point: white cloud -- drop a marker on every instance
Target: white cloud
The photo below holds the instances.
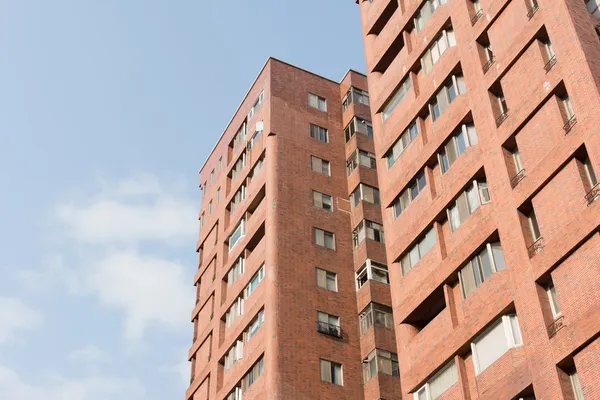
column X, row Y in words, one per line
column 134, row 210
column 13, row 387
column 15, row 317
column 149, row 290
column 89, row 353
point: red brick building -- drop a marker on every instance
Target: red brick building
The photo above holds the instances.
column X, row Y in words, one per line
column 293, row 298
column 485, row 115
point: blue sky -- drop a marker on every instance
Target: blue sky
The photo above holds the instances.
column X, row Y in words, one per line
column 107, row 110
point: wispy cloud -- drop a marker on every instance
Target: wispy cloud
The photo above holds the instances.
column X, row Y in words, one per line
column 131, row 211
column 13, row 387
column 16, row 317
column 89, row 353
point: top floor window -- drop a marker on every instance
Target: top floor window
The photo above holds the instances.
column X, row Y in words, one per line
column 425, row 12
column 395, row 98
column 317, row 102
column 355, row 95
column 256, row 104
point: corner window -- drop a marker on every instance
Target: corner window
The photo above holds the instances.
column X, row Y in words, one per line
column 380, row 362
column 503, row 335
column 485, row 263
column 467, row 202
column 367, row 230
column 371, row 270
column 439, row 383
column 317, row 102
column 376, row 314
column 358, row 125
column 360, row 157
column 364, row 193
column 354, row 95
column 418, row 251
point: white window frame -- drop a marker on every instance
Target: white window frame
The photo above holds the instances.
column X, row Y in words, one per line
column 427, row 386
column 367, row 268
column 489, row 247
column 327, row 276
column 553, row 298
column 259, row 276
column 505, row 320
column 242, row 226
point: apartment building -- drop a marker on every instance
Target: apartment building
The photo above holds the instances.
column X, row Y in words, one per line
column 293, row 298
column 486, row 134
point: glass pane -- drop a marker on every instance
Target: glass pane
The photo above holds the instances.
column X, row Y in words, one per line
column 473, row 199
column 516, row 332
column 498, row 257
column 461, row 145
column 325, row 371
column 467, row 279
column 443, row 380
column 337, row 374
column 486, row 265
column 414, row 255
column 490, row 346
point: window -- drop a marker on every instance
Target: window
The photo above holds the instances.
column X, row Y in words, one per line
column 516, row 155
column 328, row 324
column 258, row 276
column 400, row 145
column 236, row 309
column 324, row 239
column 239, row 136
column 210, row 207
column 577, row 391
column 255, row 324
column 202, row 220
column 376, row 314
column 409, row 194
column 589, row 171
column 593, row 7
column 235, row 353
column 503, row 335
column 371, row 270
column 364, row 193
column 355, row 95
column 326, row 280
column 235, row 271
column 239, row 165
column 358, row 125
column 256, row 169
column 437, row 48
column 554, row 306
column 367, row 230
column 218, row 194
column 235, row 394
column 255, row 106
column 380, row 362
column 464, row 138
column 319, row 165
column 322, row 200
column 256, row 135
column 453, row 87
column 220, row 163
column 360, row 157
column 418, row 251
column 254, row 373
column 331, row 372
column 467, row 202
column 395, row 98
column 533, row 225
column 425, row 12
column 317, row 102
column 319, row 133
column 439, row 383
column 212, row 176
column 237, row 198
column 237, row 234
column 488, row 261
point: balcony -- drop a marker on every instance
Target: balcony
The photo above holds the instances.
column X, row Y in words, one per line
column 532, row 10
column 536, row 247
column 517, row 178
column 551, row 63
column 501, row 118
column 329, row 329
column 570, row 124
column 593, row 194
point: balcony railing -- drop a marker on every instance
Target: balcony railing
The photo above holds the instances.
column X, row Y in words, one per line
column 476, row 17
column 329, row 329
column 570, row 124
column 551, row 63
column 593, row 194
column 536, row 247
column 488, row 65
column 556, row 326
column 517, row 178
column 531, row 11
column 501, row 118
